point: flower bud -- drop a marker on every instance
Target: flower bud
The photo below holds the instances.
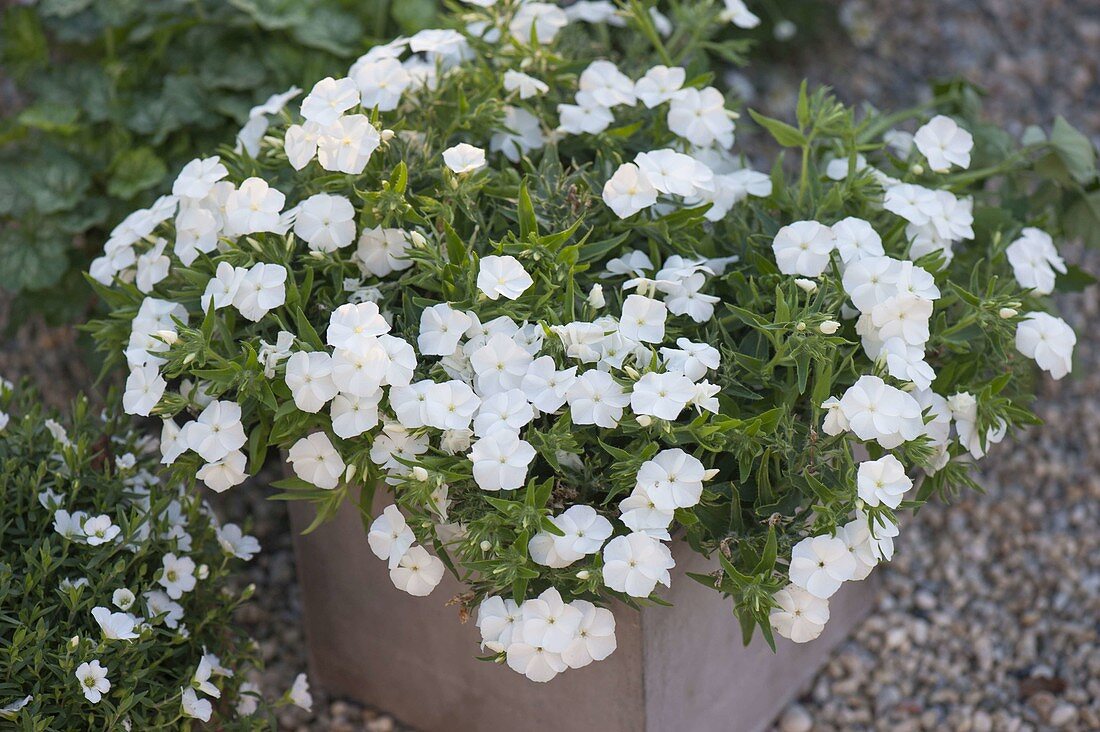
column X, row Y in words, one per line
column 486, row 546
column 418, row 239
column 168, row 336
column 645, row 420
column 349, row 474
column 202, row 572
column 801, row 327
column 805, row 285
column 583, row 574
column 595, row 296
column 829, row 327
column 74, row 641
column 419, row 474
column 386, row 135
column 917, row 169
column 1007, row 313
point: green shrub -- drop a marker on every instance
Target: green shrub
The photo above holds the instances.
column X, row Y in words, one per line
column 117, row 94
column 88, row 529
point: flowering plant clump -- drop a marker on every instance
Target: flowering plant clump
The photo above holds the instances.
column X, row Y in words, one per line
column 523, row 285
column 115, row 610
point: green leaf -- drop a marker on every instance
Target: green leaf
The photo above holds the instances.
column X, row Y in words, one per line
column 1074, row 150
column 32, row 259
column 783, row 133
column 50, row 117
column 528, row 224
column 135, row 171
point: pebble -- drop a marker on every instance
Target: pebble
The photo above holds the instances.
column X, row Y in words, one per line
column 796, row 719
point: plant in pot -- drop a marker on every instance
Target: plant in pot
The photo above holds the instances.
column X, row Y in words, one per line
column 516, row 288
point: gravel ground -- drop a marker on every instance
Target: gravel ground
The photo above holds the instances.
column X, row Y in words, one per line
column 990, row 616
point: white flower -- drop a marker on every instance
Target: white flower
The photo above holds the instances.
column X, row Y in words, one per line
column 325, row 222
column 197, row 231
column 739, row 14
column 803, row 248
column 548, row 623
column 505, row 276
column 603, row 85
column 221, row 475
column 198, row 177
column 115, row 626
column 595, row 637
column 685, row 298
column 944, row 143
column 507, row 410
column 417, row 572
column 309, row 377
column 353, row 415
column 628, row 191
column 799, row 616
column 700, row 117
column 855, row 239
column 396, row 442
column 464, row 158
column 543, row 19
column 527, row 86
column 500, row 461
column 93, row 681
column 177, row 575
column 672, row 479
column 441, row 328
column 300, row 143
column 299, row 693
column 235, row 542
column 584, row 530
column 71, row 526
column 123, row 599
column 390, row 536
column 497, row 619
column 545, row 386
column 1035, row 260
column 222, row 288
column 152, row 267
column 253, row 207
column 195, row 708
column 347, row 145
column 659, row 85
column 1048, row 340
column 877, row 411
column 316, row 461
column 913, row 203
column 201, row 679
column 674, row 173
column 520, row 133
column 903, row 316
column 450, row 405
column 635, row 563
column 643, row 319
column 634, row 263
column 882, row 481
column 534, row 662
column 820, row 564
column 159, row 604
column 329, row 99
column 359, row 369
column 248, row 701
column 262, row 289
column 499, row 365
column 578, row 120
column 217, row 432
column 662, row 395
column 100, row 530
column 353, row 324
column 381, row 83
column 596, row 398
column 144, row 388
column 382, row 251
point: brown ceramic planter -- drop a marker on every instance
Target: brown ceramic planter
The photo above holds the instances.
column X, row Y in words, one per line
column 680, row 668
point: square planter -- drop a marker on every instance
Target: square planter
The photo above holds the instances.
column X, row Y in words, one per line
column 678, row 668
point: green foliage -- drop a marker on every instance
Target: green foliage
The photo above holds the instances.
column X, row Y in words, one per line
column 49, row 583
column 779, row 478
column 118, row 94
